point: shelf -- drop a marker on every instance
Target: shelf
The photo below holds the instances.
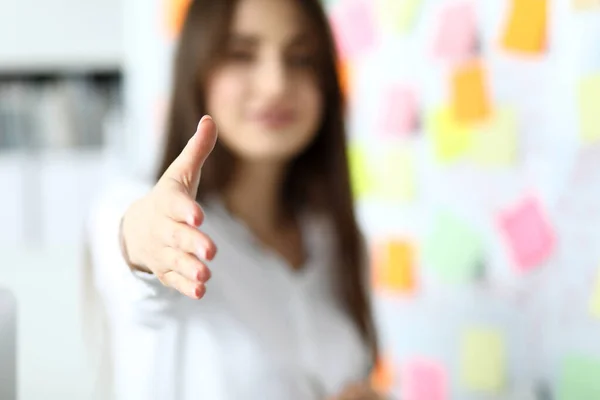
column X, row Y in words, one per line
column 66, row 35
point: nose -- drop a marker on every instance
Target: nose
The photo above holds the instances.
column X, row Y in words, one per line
column 272, row 77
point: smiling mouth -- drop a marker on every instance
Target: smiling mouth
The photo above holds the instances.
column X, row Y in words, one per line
column 275, row 119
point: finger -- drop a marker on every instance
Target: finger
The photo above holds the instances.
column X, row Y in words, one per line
column 187, row 166
column 185, row 265
column 180, row 207
column 189, row 240
column 186, row 287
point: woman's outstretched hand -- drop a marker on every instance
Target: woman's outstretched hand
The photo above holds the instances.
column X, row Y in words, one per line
column 159, row 232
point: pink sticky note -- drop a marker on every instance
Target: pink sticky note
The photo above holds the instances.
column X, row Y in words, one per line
column 457, row 34
column 399, row 111
column 423, row 380
column 528, row 233
column 353, row 23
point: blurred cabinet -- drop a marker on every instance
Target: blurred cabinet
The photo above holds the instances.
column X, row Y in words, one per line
column 46, row 198
column 60, row 34
column 12, row 202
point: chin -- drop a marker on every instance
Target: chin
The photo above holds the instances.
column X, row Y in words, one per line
column 283, row 145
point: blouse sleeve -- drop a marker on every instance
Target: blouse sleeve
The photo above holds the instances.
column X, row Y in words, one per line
column 118, row 286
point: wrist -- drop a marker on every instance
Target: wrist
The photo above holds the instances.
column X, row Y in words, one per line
column 125, row 250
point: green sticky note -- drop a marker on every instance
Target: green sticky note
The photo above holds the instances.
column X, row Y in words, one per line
column 589, row 108
column 483, row 360
column 579, row 379
column 361, row 173
column 453, row 249
column 451, row 138
column 595, row 299
column 396, row 175
column 495, row 143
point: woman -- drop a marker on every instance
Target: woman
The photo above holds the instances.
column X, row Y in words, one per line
column 283, row 312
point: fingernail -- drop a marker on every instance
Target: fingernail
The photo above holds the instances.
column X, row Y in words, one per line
column 206, row 117
column 191, row 220
column 201, row 253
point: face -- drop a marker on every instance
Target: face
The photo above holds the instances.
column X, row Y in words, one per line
column 264, row 96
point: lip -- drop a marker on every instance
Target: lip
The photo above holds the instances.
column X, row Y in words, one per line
column 275, row 118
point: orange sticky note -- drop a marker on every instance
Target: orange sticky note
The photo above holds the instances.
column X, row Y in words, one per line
column 345, row 77
column 382, row 377
column 395, row 267
column 470, row 100
column 526, row 29
column 176, row 13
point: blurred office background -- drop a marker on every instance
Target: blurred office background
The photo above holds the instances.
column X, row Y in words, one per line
column 475, row 153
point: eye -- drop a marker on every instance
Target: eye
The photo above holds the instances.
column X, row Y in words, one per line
column 300, row 60
column 240, row 55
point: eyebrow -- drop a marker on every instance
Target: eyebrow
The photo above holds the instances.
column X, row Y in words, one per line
column 253, row 40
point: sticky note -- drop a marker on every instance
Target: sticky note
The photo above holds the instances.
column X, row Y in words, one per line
column 528, row 233
column 483, row 360
column 353, row 24
column 526, row 28
column 395, row 266
column 469, row 94
column 396, row 176
column 423, row 379
column 453, row 249
column 382, row 377
column 345, row 77
column 495, row 142
column 579, row 378
column 362, row 178
column 451, row 138
column 176, row 14
column 595, row 299
column 399, row 16
column 585, row 4
column 589, row 108
column 399, row 111
column 456, row 38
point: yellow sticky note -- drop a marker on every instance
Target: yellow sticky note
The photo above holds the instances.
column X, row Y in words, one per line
column 396, row 175
column 176, row 14
column 595, row 300
column 361, row 174
column 451, row 139
column 395, row 267
column 589, row 108
column 495, row 142
column 585, row 4
column 398, row 15
column 483, row 360
column 526, row 30
column 470, row 98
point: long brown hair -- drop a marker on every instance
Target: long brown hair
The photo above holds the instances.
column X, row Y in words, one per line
column 318, row 178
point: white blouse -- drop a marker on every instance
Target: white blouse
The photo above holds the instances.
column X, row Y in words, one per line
column 262, row 331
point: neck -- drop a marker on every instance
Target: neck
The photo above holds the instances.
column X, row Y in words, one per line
column 254, row 194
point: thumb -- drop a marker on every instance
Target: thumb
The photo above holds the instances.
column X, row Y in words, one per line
column 186, row 169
